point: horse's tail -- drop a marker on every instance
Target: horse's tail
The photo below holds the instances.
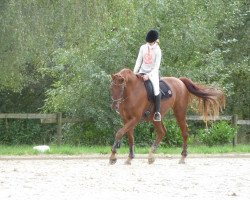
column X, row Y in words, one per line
column 210, row 100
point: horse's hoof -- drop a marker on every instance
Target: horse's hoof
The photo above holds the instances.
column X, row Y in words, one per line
column 182, row 161
column 151, row 160
column 128, row 161
column 112, row 161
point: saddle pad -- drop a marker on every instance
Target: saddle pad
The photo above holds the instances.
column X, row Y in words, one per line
column 164, row 89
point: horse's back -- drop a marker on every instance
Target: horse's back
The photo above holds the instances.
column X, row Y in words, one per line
column 174, row 83
column 177, row 87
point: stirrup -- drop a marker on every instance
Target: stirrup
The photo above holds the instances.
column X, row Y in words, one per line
column 157, row 116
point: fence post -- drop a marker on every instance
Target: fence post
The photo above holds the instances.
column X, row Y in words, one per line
column 6, row 126
column 234, row 123
column 59, row 129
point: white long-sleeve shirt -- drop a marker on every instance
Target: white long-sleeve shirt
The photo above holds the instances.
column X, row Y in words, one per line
column 149, row 66
column 150, row 69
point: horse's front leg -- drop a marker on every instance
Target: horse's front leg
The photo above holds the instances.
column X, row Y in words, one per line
column 129, row 125
column 131, row 142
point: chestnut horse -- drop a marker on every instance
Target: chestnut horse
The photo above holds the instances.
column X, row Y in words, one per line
column 130, row 100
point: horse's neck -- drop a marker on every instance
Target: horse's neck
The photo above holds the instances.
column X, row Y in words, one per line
column 134, row 86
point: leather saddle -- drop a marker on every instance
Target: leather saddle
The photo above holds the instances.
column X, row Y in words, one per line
column 164, row 90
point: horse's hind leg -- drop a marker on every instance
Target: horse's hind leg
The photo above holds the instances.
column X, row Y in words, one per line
column 180, row 115
column 161, row 131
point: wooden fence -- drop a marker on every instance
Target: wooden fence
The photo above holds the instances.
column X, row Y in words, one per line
column 57, row 118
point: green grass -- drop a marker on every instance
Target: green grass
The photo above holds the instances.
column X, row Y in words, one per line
column 77, row 150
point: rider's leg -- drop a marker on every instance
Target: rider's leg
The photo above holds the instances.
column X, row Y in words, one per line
column 157, row 115
column 156, row 85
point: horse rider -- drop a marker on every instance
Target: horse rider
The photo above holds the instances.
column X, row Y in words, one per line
column 148, row 64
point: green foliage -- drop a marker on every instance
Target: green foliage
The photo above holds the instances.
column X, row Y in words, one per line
column 25, row 132
column 144, row 134
column 239, row 78
column 80, row 89
column 87, row 134
column 173, row 136
column 59, row 55
column 220, row 133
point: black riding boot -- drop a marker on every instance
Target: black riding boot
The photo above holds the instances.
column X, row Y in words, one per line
column 157, row 115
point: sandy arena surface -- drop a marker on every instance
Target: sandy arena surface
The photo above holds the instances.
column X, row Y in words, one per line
column 91, row 177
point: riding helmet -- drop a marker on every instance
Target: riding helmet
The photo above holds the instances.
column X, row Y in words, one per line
column 152, row 36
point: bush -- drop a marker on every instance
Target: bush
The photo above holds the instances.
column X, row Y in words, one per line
column 86, row 134
column 16, row 132
column 219, row 133
column 173, row 136
column 144, row 134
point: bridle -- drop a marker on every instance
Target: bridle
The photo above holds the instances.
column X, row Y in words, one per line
column 121, row 97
